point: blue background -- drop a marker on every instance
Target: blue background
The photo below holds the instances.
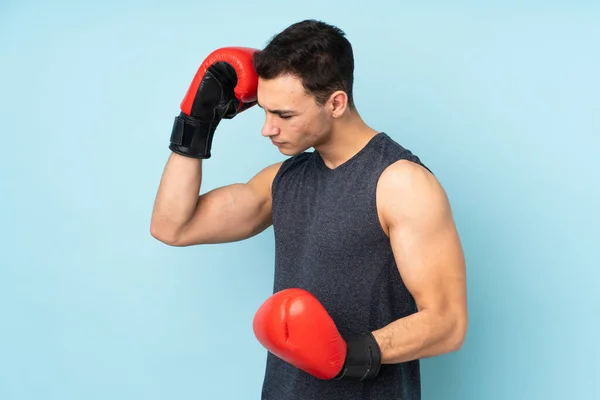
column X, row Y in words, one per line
column 501, row 100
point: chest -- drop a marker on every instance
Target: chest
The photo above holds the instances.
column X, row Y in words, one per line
column 332, row 218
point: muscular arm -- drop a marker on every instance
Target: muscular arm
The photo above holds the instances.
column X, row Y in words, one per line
column 416, row 215
column 234, row 212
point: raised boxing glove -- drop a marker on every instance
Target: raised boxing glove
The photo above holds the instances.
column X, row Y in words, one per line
column 224, row 86
column 293, row 325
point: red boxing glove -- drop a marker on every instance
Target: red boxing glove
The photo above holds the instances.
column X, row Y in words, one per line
column 224, row 85
column 293, row 325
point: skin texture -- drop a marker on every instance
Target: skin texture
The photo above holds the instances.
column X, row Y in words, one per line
column 295, row 122
column 415, row 213
column 413, row 210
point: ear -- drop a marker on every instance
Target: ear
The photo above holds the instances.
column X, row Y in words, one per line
column 338, row 103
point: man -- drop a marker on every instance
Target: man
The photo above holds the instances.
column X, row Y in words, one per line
column 369, row 271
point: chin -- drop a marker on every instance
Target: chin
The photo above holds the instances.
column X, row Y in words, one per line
column 292, row 151
column 289, row 152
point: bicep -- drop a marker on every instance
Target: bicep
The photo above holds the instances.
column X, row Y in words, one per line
column 430, row 261
column 233, row 212
column 424, row 240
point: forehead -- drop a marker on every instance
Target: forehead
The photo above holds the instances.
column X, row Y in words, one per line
column 284, row 90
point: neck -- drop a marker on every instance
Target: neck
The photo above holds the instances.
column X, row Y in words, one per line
column 348, row 136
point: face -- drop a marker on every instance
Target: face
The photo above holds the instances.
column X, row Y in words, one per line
column 294, row 121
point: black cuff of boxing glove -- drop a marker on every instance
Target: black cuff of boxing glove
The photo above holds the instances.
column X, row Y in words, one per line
column 363, row 358
column 192, row 137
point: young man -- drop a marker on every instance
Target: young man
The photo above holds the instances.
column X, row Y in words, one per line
column 369, row 269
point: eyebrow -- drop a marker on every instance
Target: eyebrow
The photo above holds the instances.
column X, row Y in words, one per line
column 276, row 111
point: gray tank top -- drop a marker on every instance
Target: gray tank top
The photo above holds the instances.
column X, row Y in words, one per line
column 329, row 241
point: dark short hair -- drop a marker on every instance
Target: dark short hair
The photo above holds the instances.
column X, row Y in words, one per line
column 317, row 53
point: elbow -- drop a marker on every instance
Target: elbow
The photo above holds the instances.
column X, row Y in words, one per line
column 166, row 235
column 458, row 334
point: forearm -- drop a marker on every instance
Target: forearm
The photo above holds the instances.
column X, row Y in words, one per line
column 178, row 193
column 424, row 334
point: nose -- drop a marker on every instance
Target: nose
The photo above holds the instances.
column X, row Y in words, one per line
column 269, row 129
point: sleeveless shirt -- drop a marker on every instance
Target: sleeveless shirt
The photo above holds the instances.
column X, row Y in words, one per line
column 329, row 241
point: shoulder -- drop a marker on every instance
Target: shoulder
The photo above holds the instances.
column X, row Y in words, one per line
column 263, row 180
column 406, row 174
column 391, row 150
column 406, row 191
